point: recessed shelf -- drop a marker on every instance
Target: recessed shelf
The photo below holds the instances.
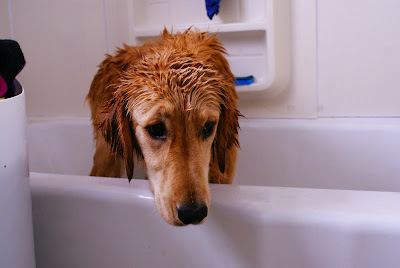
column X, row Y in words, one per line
column 147, row 31
column 255, row 33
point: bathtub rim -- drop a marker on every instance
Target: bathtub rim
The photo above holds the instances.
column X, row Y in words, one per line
column 345, row 208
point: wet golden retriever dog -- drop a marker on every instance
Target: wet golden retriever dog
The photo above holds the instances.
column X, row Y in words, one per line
column 172, row 104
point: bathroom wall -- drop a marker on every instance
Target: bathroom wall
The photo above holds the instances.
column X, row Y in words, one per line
column 358, row 58
column 5, row 29
column 344, row 55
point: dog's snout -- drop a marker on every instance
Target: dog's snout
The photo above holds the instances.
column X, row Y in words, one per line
column 193, row 213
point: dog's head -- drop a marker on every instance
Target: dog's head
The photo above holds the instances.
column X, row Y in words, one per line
column 176, row 109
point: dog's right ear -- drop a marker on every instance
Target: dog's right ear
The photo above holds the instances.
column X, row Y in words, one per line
column 115, row 125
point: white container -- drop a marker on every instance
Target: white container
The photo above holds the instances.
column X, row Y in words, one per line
column 16, row 232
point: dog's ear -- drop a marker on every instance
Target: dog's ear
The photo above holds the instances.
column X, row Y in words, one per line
column 227, row 130
column 114, row 123
column 227, row 133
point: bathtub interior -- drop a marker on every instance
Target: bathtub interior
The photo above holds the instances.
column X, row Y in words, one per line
column 63, row 146
column 352, row 154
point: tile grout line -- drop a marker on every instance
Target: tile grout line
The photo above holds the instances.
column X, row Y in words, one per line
column 106, row 26
column 317, row 59
column 10, row 19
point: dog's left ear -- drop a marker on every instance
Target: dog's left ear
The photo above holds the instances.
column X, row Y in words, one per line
column 114, row 123
column 227, row 131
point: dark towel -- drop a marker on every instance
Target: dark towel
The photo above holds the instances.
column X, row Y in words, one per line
column 11, row 63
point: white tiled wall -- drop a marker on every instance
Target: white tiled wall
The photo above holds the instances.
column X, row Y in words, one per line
column 5, row 29
column 359, row 58
column 118, row 21
column 350, row 47
column 62, row 42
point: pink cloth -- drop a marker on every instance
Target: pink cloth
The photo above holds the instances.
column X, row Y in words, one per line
column 3, row 87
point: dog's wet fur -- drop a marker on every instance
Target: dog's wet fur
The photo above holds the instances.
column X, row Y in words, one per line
column 170, row 103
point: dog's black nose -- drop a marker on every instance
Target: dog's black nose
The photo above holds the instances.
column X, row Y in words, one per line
column 193, row 213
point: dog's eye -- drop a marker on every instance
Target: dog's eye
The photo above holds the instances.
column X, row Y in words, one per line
column 157, row 131
column 208, row 129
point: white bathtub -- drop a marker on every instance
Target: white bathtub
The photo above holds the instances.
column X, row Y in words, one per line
column 82, row 221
